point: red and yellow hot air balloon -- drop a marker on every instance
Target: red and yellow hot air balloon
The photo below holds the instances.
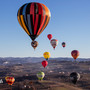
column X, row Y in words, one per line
column 75, row 54
column 10, row 80
column 54, row 43
column 44, row 63
column 49, row 36
column 33, row 18
column 63, row 44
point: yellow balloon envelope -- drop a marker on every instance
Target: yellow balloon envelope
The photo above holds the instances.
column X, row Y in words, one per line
column 46, row 55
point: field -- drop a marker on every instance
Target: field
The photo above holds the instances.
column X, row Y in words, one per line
column 56, row 76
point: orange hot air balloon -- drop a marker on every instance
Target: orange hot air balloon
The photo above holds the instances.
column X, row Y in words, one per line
column 10, row 80
column 63, row 44
column 34, row 44
column 44, row 63
column 49, row 36
column 33, row 18
column 75, row 54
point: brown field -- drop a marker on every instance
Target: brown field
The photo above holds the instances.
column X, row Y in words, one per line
column 56, row 76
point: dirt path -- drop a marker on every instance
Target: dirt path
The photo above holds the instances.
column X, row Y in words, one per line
column 58, row 86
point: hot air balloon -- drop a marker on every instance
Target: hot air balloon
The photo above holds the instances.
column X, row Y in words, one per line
column 63, row 44
column 49, row 36
column 33, row 18
column 54, row 43
column 75, row 54
column 44, row 63
column 34, row 44
column 46, row 55
column 10, row 80
column 40, row 75
column 74, row 77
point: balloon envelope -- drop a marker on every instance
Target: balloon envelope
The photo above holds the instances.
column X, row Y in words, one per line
column 40, row 75
column 46, row 55
column 44, row 63
column 34, row 44
column 54, row 43
column 74, row 77
column 49, row 36
column 33, row 18
column 63, row 44
column 10, row 80
column 75, row 54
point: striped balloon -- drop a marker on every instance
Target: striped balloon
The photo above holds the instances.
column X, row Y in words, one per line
column 10, row 80
column 54, row 43
column 33, row 18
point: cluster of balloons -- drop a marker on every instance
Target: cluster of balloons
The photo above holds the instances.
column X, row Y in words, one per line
column 33, row 18
column 40, row 75
column 74, row 76
column 46, row 56
column 54, row 42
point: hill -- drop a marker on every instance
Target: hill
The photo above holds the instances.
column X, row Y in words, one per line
column 56, row 75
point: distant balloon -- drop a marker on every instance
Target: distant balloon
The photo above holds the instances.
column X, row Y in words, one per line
column 74, row 77
column 44, row 63
column 33, row 18
column 34, row 44
column 75, row 54
column 10, row 80
column 40, row 75
column 63, row 44
column 54, row 43
column 49, row 36
column 46, row 55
